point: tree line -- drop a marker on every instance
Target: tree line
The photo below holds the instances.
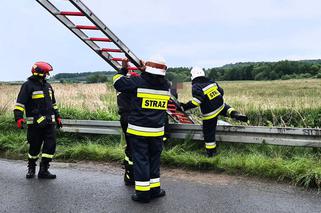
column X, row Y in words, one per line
column 267, row 70
column 240, row 71
column 87, row 77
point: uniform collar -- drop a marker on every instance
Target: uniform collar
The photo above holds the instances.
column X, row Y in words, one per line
column 37, row 79
column 201, row 79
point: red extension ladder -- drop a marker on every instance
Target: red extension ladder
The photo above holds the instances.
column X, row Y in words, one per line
column 118, row 47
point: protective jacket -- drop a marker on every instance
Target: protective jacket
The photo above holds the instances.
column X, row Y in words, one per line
column 123, row 99
column 208, row 95
column 150, row 95
column 37, row 99
column 123, row 102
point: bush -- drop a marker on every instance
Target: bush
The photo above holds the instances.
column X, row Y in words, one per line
column 261, row 76
column 304, row 75
column 285, row 77
column 97, row 78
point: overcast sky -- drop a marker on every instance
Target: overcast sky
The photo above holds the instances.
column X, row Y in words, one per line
column 206, row 33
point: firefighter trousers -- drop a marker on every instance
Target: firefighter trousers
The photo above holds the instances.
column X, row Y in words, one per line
column 128, row 161
column 146, row 156
column 209, row 129
column 41, row 136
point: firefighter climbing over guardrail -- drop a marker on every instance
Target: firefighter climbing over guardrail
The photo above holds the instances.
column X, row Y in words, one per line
column 208, row 95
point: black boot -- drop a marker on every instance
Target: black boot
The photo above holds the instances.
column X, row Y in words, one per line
column 31, row 168
column 159, row 193
column 129, row 174
column 128, row 178
column 238, row 116
column 211, row 152
column 140, row 199
column 43, row 171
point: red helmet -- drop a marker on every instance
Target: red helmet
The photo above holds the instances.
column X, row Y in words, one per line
column 134, row 74
column 41, row 69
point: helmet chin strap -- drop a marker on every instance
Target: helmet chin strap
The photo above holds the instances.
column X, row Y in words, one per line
column 41, row 76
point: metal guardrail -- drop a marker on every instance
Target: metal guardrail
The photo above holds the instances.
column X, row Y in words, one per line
column 306, row 137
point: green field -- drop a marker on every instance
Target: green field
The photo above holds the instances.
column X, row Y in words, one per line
column 273, row 103
column 295, row 103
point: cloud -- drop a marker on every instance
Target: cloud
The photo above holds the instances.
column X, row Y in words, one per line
column 188, row 13
column 207, row 33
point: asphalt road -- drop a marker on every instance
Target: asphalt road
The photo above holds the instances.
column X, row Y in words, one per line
column 87, row 187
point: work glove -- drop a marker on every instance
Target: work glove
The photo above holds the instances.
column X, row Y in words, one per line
column 124, row 63
column 183, row 106
column 124, row 67
column 59, row 122
column 238, row 116
column 20, row 123
column 142, row 67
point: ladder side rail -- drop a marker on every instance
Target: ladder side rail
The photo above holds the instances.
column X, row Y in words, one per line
column 80, row 34
column 95, row 20
column 101, row 26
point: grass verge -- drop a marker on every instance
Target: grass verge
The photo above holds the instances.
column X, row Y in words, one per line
column 300, row 166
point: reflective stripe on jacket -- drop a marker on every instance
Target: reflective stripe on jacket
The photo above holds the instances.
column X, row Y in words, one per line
column 149, row 98
column 37, row 100
column 208, row 95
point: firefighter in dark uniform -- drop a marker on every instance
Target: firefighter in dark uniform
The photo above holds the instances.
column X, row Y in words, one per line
column 150, row 95
column 209, row 96
column 37, row 99
column 124, row 103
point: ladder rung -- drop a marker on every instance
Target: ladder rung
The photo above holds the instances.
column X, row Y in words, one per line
column 186, row 121
column 183, row 118
column 100, row 39
column 70, row 13
column 132, row 68
column 86, row 27
column 117, row 59
column 111, row 50
column 178, row 114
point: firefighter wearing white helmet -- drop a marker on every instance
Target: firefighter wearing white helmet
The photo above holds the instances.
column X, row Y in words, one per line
column 197, row 72
column 208, row 95
column 156, row 66
column 150, row 95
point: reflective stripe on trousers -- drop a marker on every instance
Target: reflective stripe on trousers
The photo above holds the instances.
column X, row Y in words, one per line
column 142, row 186
column 213, row 114
column 210, row 145
column 154, row 182
column 145, row 131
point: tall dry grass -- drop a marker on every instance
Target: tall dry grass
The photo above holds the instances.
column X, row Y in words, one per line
column 267, row 95
column 8, row 97
column 246, row 96
column 86, row 96
column 92, row 97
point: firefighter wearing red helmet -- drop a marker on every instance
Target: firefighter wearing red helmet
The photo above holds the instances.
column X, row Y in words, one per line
column 37, row 101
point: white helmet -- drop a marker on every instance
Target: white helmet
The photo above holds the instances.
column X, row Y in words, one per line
column 156, row 65
column 197, row 72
